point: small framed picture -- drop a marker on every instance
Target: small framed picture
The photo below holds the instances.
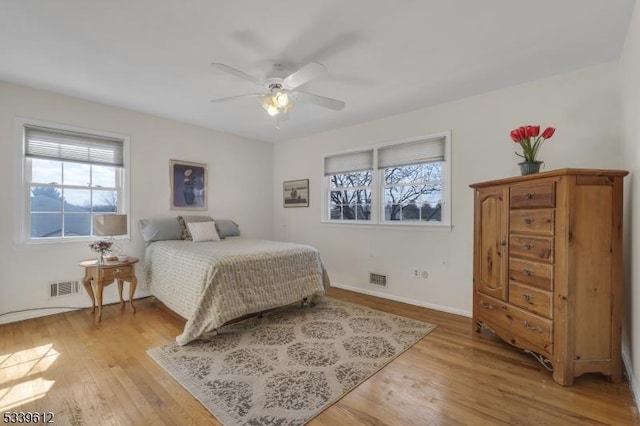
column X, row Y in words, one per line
column 296, row 193
column 188, row 185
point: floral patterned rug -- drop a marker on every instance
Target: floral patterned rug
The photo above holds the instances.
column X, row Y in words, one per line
column 289, row 365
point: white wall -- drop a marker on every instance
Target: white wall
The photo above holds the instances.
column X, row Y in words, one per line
column 239, row 184
column 630, row 136
column 582, row 105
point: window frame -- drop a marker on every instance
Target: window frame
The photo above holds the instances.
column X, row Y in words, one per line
column 22, row 189
column 370, row 188
column 378, row 185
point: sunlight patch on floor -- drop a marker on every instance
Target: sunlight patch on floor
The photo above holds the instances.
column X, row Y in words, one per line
column 21, row 378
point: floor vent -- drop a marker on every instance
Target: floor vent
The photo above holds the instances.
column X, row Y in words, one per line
column 63, row 288
column 377, row 279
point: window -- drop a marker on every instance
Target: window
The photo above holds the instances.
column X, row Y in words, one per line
column 350, row 178
column 69, row 176
column 407, row 186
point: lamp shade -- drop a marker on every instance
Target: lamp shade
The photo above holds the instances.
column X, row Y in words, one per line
column 109, row 224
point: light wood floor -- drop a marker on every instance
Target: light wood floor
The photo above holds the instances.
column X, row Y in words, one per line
column 88, row 374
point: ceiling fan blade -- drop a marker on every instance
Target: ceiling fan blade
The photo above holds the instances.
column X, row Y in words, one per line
column 236, row 72
column 322, row 101
column 230, row 98
column 307, row 73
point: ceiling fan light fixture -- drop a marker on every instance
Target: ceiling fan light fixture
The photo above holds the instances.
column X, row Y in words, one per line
column 269, row 105
column 282, row 99
column 276, row 103
column 282, row 91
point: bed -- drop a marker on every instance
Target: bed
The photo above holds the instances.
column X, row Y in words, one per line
column 213, row 282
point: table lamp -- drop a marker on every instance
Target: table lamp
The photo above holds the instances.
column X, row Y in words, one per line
column 107, row 225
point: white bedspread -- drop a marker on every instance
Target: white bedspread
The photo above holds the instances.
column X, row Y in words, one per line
column 210, row 283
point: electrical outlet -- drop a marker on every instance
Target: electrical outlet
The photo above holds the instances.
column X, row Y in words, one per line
column 425, row 274
column 416, row 273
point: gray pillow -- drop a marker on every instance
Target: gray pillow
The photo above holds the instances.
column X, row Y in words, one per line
column 227, row 228
column 160, row 229
column 184, row 220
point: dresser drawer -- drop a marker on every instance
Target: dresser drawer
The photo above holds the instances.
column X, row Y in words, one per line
column 532, row 195
column 117, row 272
column 515, row 325
column 538, row 248
column 531, row 299
column 535, row 274
column 532, row 221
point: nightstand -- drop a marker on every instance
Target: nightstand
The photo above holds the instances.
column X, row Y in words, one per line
column 101, row 275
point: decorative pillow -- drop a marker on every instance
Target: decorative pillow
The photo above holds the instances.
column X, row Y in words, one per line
column 227, row 228
column 159, row 229
column 203, row 231
column 183, row 221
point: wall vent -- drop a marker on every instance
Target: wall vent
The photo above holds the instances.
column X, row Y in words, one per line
column 64, row 288
column 377, row 279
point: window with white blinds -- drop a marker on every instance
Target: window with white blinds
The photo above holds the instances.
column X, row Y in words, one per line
column 69, row 175
column 73, row 146
column 348, row 162
column 401, row 183
column 404, row 154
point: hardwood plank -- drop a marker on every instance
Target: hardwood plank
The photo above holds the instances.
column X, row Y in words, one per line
column 101, row 374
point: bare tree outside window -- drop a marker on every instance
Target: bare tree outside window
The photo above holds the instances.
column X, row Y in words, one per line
column 413, row 192
column 350, row 196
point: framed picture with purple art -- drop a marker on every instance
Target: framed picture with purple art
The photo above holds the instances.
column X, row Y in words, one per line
column 188, row 185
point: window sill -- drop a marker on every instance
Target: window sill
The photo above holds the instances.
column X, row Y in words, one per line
column 394, row 226
column 66, row 243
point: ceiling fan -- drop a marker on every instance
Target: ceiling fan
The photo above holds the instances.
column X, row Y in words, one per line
column 281, row 91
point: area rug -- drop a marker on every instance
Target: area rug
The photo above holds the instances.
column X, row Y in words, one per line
column 289, row 365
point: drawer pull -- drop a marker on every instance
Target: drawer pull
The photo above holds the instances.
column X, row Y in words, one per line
column 526, row 271
column 116, row 271
column 487, row 305
column 527, row 297
column 527, row 245
column 529, row 220
column 526, row 324
column 529, row 195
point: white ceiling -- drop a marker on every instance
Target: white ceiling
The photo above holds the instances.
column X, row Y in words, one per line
column 383, row 57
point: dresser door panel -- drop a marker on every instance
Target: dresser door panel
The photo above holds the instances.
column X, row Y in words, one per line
column 492, row 244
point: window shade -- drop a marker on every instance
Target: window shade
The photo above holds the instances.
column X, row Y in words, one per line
column 63, row 145
column 350, row 162
column 404, row 154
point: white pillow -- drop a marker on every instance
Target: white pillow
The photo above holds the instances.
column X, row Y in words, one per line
column 203, row 231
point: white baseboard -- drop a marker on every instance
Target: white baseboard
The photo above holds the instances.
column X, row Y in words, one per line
column 43, row 312
column 404, row 300
column 628, row 366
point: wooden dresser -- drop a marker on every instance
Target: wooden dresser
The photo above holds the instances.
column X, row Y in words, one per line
column 547, row 269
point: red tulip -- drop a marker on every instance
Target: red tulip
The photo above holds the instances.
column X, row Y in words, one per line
column 516, row 135
column 548, row 132
column 528, row 131
column 536, row 131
